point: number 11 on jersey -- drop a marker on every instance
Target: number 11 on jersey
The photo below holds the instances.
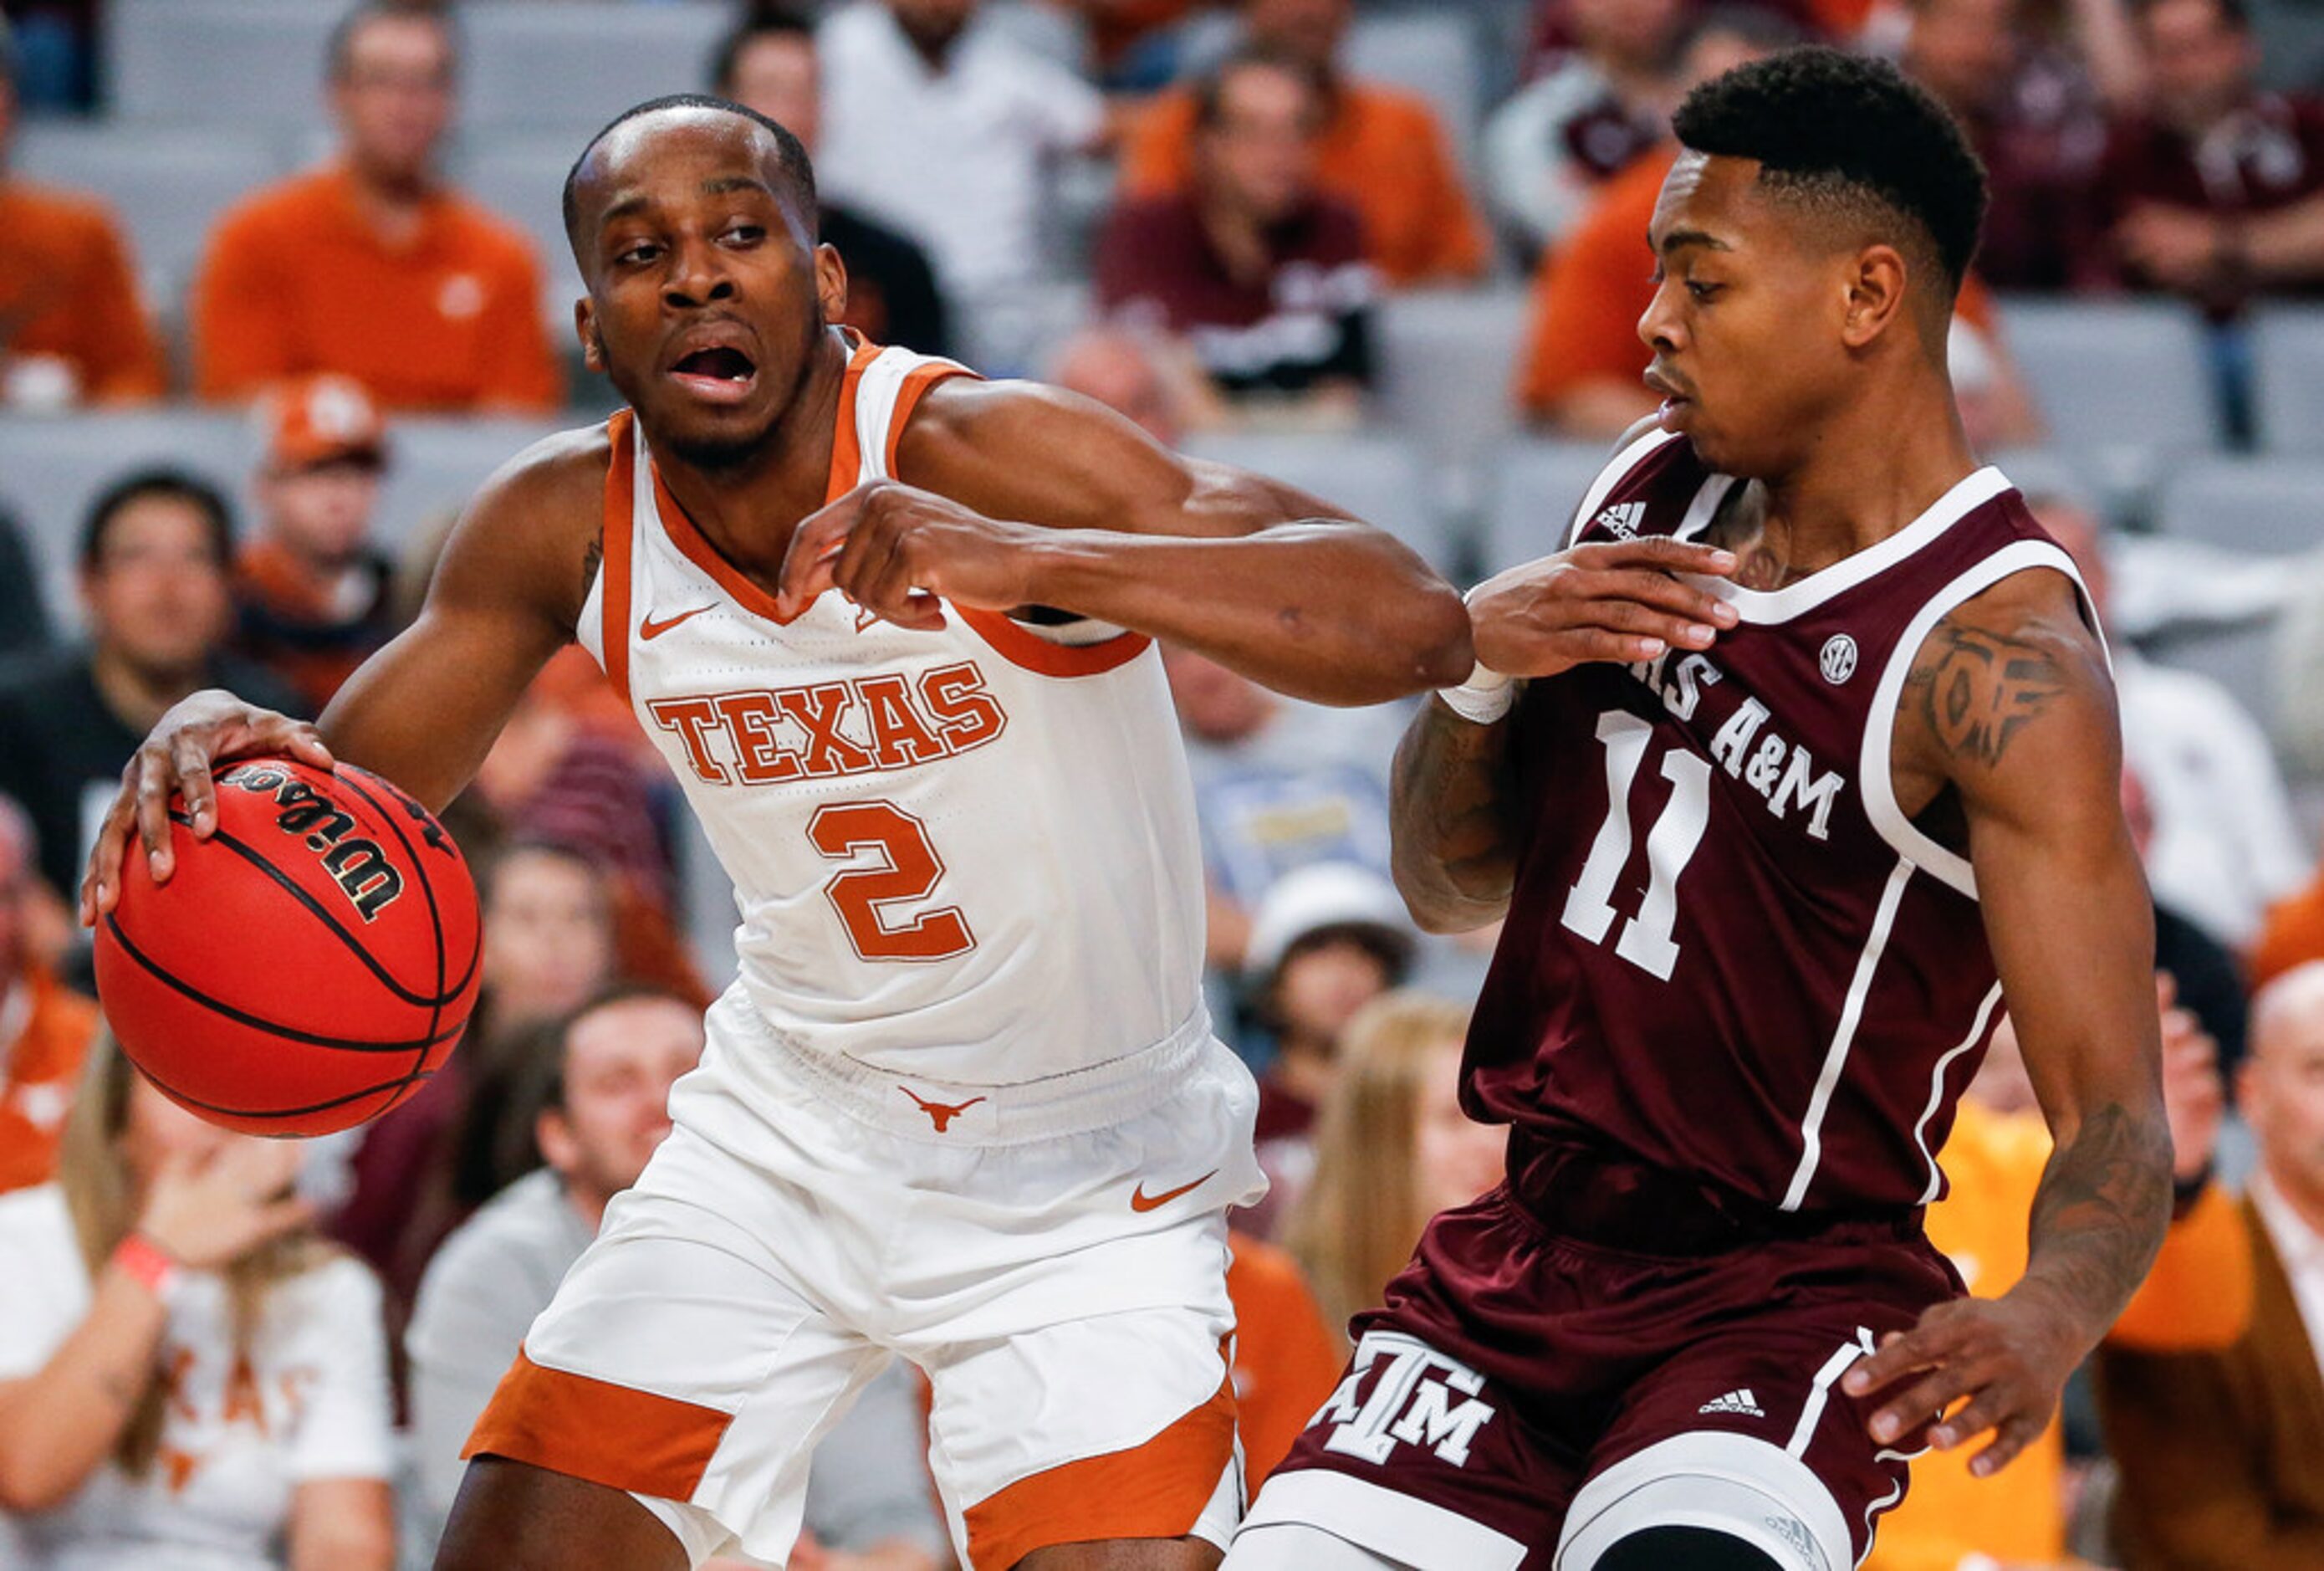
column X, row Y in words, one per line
column 1645, row 940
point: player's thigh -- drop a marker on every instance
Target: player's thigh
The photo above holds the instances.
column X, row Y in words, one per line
column 1299, row 1547
column 681, row 1363
column 1097, row 1437
column 511, row 1516
column 1125, row 1555
column 1746, row 1436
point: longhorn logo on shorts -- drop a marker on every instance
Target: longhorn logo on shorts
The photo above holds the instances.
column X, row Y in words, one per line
column 939, row 1115
column 1412, row 1402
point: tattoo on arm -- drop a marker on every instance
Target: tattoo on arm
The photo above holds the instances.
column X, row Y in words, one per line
column 1975, row 688
column 2100, row 1215
column 1454, row 852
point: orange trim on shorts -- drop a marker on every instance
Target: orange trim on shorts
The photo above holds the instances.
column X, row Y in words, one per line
column 613, row 551
column 1154, row 1490
column 597, row 1432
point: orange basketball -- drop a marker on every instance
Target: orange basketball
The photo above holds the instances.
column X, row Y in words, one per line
column 305, row 967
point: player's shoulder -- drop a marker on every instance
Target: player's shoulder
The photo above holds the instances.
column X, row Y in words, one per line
column 563, row 472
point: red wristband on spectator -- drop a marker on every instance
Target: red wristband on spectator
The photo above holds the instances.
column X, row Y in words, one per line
column 149, row 1263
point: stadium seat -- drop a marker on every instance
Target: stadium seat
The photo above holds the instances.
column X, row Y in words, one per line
column 2287, row 345
column 2126, row 383
column 51, row 467
column 1376, row 476
column 572, row 65
column 2267, row 508
column 1432, row 53
column 256, row 64
column 1535, row 486
column 1444, row 359
column 523, row 179
column 436, row 464
column 166, row 187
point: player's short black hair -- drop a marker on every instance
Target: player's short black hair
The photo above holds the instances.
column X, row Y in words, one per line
column 340, row 45
column 1210, row 88
column 775, row 21
column 1849, row 132
column 790, row 152
column 176, row 486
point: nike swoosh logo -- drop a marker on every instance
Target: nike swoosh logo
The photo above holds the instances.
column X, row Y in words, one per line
column 1141, row 1201
column 650, row 630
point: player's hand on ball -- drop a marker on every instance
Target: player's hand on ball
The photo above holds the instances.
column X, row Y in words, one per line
column 209, row 1211
column 893, row 550
column 2010, row 1356
column 1614, row 600
column 197, row 732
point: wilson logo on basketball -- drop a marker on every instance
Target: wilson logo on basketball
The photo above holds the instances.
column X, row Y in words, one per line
column 356, row 864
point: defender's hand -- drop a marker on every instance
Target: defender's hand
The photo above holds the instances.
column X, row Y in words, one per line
column 2010, row 1356
column 200, row 731
column 893, row 550
column 1614, row 600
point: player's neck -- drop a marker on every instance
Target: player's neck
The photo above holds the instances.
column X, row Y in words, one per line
column 749, row 511
column 1875, row 468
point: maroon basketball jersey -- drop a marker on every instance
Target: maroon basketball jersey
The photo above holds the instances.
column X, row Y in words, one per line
column 1728, row 953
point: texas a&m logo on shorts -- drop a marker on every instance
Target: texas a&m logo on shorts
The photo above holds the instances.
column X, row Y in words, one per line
column 1417, row 1397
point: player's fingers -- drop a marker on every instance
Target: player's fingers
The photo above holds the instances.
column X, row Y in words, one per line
column 1626, row 617
column 1667, row 594
column 2011, row 1438
column 1900, row 1353
column 1990, row 1407
column 1582, row 645
column 811, row 549
column 301, row 740
column 1664, row 554
column 100, row 886
column 190, row 760
column 153, row 786
column 1921, row 1400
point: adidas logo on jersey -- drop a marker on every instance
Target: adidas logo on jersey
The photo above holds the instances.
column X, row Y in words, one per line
column 1623, row 519
column 1736, row 1401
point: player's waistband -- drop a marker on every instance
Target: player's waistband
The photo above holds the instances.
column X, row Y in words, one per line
column 1592, row 1195
column 926, row 1108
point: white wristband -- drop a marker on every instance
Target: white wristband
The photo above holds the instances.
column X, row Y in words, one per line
column 1483, row 698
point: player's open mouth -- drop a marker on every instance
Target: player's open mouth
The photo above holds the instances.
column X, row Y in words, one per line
column 720, row 375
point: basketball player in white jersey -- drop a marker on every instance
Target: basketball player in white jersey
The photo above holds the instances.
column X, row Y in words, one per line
column 963, row 1106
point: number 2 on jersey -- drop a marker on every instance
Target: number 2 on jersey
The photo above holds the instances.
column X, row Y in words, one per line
column 1646, row 941
column 910, row 870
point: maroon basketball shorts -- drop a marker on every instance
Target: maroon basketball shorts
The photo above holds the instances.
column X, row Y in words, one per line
column 1528, row 1399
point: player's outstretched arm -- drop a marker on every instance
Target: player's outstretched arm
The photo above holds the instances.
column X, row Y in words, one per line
column 1025, row 495
column 421, row 711
column 2010, row 702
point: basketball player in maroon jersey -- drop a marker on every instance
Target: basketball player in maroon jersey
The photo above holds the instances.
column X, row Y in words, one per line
column 709, row 307
column 1772, row 828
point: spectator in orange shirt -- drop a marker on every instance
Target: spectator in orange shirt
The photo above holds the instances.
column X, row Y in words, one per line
column 2198, row 1297
column 1383, row 152
column 44, row 1030
column 313, row 598
column 71, row 327
column 1583, row 359
column 1286, row 1357
column 370, row 267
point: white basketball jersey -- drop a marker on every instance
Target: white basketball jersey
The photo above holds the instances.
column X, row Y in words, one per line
column 970, row 854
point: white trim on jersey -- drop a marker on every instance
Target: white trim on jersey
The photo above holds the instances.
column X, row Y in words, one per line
column 1843, row 1036
column 1767, row 607
column 1937, row 1090
column 1949, row 867
column 1729, row 1483
column 1411, row 1532
column 1819, row 1390
column 1617, row 469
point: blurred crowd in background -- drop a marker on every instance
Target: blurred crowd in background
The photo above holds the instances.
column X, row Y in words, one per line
column 251, row 356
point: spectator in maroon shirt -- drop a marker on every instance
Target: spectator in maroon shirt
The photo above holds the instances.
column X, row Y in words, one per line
column 1263, row 275
column 2218, row 192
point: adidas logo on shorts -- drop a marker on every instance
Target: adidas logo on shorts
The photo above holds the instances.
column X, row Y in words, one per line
column 1736, row 1401
column 1623, row 519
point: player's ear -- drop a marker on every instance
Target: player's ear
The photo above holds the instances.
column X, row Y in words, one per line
column 1876, row 295
column 831, row 282
column 584, row 323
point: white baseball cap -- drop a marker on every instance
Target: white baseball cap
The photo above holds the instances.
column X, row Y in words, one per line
column 1326, row 895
